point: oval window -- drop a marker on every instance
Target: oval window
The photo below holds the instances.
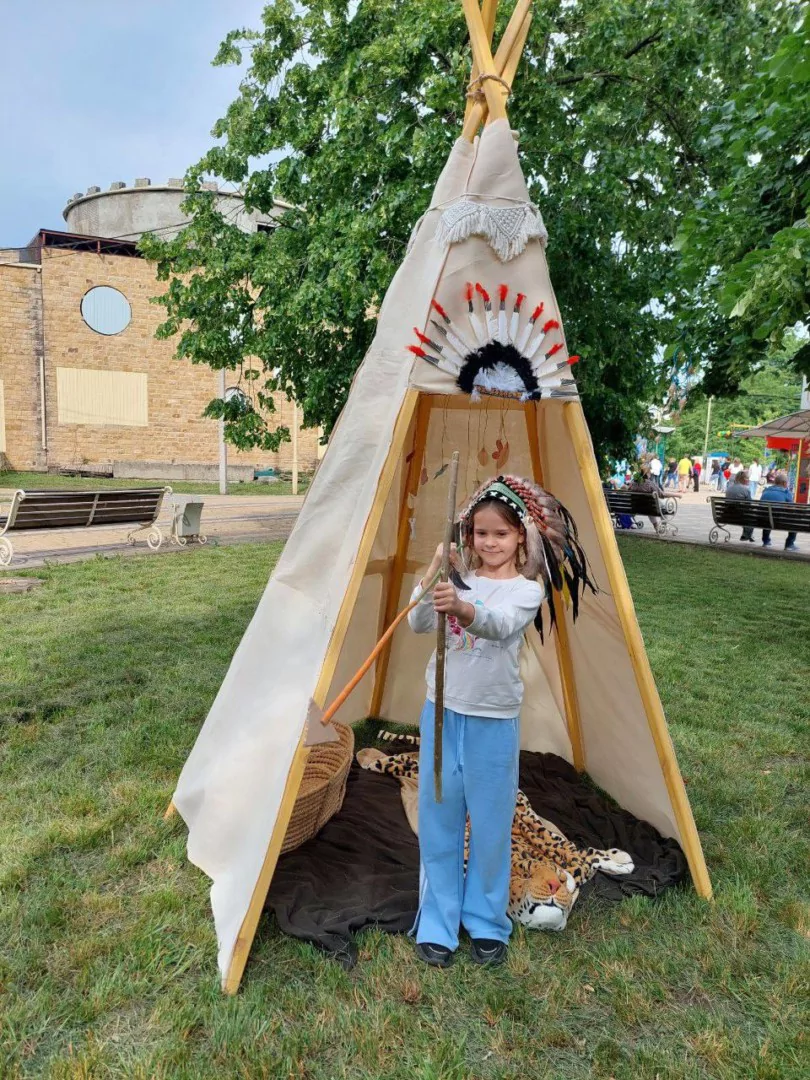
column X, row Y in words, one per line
column 106, row 310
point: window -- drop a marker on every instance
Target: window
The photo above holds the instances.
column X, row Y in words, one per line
column 106, row 310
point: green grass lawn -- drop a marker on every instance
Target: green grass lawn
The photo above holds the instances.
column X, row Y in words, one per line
column 10, row 481
column 107, row 953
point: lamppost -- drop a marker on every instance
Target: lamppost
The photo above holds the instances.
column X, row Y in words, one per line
column 227, row 394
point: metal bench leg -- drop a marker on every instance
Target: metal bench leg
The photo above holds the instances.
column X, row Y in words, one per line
column 6, row 551
column 714, row 534
column 154, row 537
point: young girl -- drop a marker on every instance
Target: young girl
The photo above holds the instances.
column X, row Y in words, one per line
column 512, row 532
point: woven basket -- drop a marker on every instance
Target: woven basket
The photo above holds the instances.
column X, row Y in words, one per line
column 322, row 788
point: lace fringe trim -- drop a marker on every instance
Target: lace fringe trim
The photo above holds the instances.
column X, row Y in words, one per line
column 507, row 229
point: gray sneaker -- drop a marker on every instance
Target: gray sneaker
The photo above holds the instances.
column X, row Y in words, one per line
column 435, row 955
column 487, row 951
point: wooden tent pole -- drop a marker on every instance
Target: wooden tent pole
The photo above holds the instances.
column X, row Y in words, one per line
column 247, row 931
column 563, row 649
column 401, row 554
column 482, row 55
column 488, row 10
column 620, row 591
column 506, row 61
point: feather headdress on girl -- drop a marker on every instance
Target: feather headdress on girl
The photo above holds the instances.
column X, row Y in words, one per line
column 554, row 555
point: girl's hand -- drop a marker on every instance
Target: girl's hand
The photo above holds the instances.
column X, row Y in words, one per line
column 437, row 561
column 446, row 602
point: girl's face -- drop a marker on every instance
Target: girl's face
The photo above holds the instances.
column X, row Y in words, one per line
column 495, row 540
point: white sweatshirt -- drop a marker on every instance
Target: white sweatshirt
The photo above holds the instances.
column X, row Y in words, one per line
column 482, row 676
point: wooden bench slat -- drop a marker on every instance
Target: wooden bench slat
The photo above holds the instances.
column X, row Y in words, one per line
column 34, row 510
column 787, row 517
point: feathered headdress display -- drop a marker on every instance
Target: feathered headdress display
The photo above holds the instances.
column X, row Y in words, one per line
column 554, row 555
column 511, row 354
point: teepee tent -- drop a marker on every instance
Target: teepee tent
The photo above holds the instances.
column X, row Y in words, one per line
column 469, row 355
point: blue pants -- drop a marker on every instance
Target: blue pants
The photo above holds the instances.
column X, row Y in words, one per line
column 479, row 777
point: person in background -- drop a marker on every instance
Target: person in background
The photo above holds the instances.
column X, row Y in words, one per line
column 736, row 466
column 684, row 473
column 645, row 483
column 697, row 468
column 754, row 477
column 739, row 491
column 671, row 478
column 715, row 477
column 725, row 475
column 655, row 471
column 778, row 492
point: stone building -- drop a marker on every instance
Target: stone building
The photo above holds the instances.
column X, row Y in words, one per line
column 84, row 382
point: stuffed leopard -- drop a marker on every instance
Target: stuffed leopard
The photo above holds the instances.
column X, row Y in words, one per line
column 548, row 870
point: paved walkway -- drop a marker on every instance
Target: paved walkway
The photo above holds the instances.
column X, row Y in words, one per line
column 226, row 519
column 245, row 519
column 694, row 522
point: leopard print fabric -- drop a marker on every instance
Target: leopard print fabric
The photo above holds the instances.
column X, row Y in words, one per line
column 548, row 870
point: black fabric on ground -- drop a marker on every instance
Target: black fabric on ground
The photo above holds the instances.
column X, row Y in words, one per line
column 362, row 869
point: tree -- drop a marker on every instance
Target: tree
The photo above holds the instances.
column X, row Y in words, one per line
column 746, row 245
column 351, row 109
column 772, row 390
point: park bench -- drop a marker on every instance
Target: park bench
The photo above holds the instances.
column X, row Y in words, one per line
column 35, row 511
column 638, row 504
column 790, row 517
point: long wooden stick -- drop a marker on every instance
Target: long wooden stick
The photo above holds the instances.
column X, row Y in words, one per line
column 397, row 570
column 441, row 632
column 507, row 58
column 482, row 54
column 247, row 931
column 488, row 9
column 690, row 841
column 375, row 652
column 505, row 61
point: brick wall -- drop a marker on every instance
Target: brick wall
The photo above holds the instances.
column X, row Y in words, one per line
column 20, row 344
column 177, row 390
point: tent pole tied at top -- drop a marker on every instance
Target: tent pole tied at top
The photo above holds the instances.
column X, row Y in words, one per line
column 577, row 428
column 491, row 79
column 488, row 11
column 506, row 62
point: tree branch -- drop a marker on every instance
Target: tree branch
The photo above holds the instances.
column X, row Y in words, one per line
column 656, row 35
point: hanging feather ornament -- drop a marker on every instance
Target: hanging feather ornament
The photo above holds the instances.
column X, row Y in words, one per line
column 554, row 555
column 473, row 316
column 507, row 360
column 503, row 291
column 515, row 321
column 492, row 326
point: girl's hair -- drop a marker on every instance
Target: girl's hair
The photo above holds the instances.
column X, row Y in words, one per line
column 505, row 511
column 550, row 553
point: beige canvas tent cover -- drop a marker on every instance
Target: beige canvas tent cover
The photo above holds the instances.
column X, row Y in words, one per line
column 371, row 520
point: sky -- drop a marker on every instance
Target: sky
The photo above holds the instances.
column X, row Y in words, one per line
column 95, row 91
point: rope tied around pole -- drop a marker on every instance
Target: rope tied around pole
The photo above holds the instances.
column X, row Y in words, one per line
column 474, row 91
